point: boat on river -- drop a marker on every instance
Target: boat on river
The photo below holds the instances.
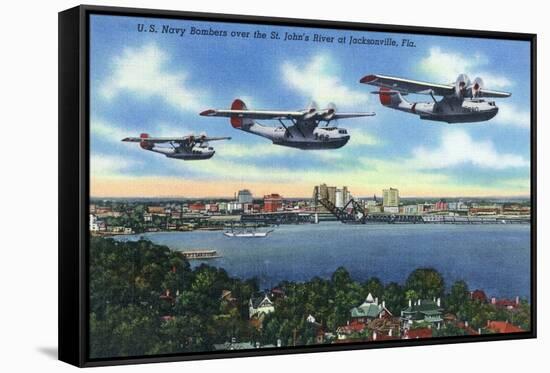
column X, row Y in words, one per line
column 246, row 232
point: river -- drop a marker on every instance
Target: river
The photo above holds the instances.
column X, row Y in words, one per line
column 495, row 258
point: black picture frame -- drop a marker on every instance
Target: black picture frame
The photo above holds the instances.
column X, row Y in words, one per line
column 74, row 180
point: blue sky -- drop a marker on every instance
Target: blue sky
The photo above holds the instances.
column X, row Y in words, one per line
column 158, row 83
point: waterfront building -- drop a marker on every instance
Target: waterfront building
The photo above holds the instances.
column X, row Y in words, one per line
column 390, row 197
column 410, row 209
column 244, row 196
column 94, row 227
column 234, row 207
column 391, row 209
column 147, row 217
column 197, row 207
column 273, row 202
column 485, row 210
column 248, row 208
column 441, row 206
column 156, row 210
column 212, row 207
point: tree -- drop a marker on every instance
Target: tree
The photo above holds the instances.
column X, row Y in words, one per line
column 426, row 282
column 375, row 287
column 458, row 297
column 394, row 298
column 340, row 278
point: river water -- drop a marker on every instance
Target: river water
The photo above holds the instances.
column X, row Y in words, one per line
column 495, row 258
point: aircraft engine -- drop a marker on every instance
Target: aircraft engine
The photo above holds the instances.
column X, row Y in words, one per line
column 329, row 113
column 476, row 88
column 461, row 85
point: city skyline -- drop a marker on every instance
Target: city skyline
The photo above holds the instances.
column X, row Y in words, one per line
column 158, row 84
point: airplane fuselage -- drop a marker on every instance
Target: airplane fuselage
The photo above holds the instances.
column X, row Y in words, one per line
column 185, row 153
column 455, row 111
column 449, row 109
column 305, row 137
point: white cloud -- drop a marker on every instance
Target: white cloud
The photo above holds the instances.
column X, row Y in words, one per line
column 102, row 165
column 458, row 148
column 107, row 131
column 512, row 115
column 444, row 66
column 232, row 149
column 319, row 81
column 362, row 138
column 144, row 72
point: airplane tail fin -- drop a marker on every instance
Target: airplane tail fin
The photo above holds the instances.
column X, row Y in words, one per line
column 239, row 122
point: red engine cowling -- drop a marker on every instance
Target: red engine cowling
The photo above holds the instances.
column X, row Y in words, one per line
column 144, row 143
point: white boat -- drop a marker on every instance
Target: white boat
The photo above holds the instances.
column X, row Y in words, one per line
column 246, row 234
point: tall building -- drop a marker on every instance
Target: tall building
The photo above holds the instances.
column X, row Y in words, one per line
column 391, row 197
column 338, row 197
column 273, row 202
column 244, row 196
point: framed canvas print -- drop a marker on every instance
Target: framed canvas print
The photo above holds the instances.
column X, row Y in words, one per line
column 234, row 186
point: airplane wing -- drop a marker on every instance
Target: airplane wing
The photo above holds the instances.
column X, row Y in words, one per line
column 254, row 114
column 207, row 139
column 408, row 86
column 352, row 115
column 184, row 139
column 488, row 93
column 156, row 140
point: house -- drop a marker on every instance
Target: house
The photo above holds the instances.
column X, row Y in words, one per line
column 259, row 306
column 369, row 310
column 417, row 333
column 354, row 327
column 478, row 295
column 509, row 304
column 503, row 327
column 227, row 296
column 423, row 310
column 377, row 336
column 277, row 293
column 234, row 345
column 317, row 329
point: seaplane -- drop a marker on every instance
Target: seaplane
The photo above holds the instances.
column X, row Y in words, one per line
column 462, row 101
column 187, row 148
column 306, row 129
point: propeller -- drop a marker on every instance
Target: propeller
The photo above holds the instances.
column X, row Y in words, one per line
column 311, row 110
column 476, row 87
column 461, row 85
column 329, row 113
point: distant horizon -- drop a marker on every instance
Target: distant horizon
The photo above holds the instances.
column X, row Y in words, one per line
column 304, row 197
